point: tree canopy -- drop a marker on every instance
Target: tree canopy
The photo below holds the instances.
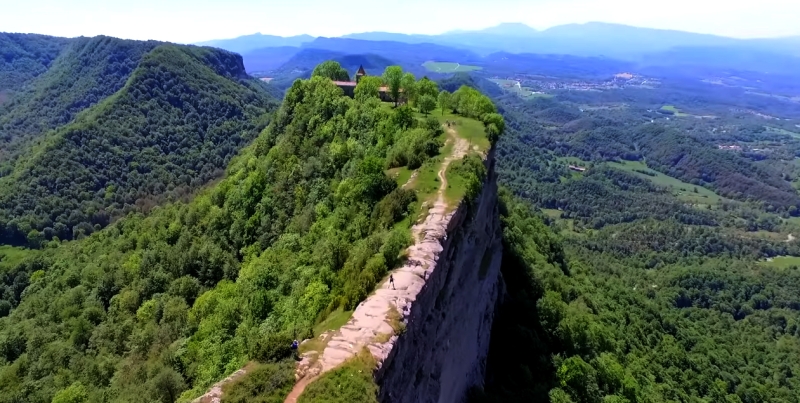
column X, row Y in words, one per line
column 332, row 70
column 368, row 86
column 157, row 307
column 174, row 125
column 393, row 77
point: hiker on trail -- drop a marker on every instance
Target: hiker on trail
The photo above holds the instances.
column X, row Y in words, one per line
column 294, row 347
column 391, row 281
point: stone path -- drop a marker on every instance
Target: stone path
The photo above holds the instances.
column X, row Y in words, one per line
column 371, row 323
column 370, row 326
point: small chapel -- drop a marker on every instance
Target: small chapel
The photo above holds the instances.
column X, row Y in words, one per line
column 349, row 87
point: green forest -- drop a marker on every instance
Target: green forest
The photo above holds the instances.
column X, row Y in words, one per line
column 25, row 56
column 158, row 306
column 165, row 221
column 642, row 282
column 142, row 123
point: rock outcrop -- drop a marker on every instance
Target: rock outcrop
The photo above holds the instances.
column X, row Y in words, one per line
column 442, row 352
column 429, row 329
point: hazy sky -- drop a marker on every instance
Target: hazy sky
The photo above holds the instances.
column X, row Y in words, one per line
column 198, row 20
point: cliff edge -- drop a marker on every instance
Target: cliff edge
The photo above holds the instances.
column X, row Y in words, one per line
column 429, row 329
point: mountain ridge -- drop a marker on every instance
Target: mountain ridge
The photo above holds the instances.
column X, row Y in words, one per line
column 179, row 116
column 610, row 39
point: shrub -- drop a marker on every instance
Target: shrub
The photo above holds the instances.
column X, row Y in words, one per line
column 272, row 347
column 265, row 383
column 392, row 208
column 350, row 383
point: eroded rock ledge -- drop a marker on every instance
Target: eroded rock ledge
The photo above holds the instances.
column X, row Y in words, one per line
column 445, row 296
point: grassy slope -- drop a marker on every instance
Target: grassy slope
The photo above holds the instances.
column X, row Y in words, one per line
column 10, row 256
column 684, row 191
column 86, row 72
column 449, row 67
column 350, row 383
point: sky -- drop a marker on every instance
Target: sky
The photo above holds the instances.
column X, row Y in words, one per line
column 189, row 21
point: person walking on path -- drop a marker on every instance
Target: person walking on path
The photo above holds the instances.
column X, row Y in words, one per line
column 295, row 346
column 391, row 281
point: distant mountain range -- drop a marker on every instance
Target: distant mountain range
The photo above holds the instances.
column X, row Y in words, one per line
column 248, row 43
column 642, row 46
column 589, row 39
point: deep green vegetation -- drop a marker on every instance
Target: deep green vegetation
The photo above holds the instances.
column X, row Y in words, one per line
column 645, row 281
column 331, row 70
column 25, row 56
column 182, row 113
column 350, row 383
column 586, row 325
column 263, row 383
column 86, row 72
column 664, row 272
column 163, row 305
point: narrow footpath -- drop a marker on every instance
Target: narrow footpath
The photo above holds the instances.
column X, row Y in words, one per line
column 371, row 323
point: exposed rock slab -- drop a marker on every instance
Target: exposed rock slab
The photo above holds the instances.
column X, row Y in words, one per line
column 445, row 295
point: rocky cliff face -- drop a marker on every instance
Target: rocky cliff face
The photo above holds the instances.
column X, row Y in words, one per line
column 442, row 352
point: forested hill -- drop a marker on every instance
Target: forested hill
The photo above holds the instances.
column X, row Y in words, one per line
column 666, row 270
column 154, row 307
column 677, row 151
column 151, row 121
column 25, row 56
column 87, row 71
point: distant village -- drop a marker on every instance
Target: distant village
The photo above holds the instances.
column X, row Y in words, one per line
column 618, row 81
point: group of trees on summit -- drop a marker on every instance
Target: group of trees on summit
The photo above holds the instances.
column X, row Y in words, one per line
column 423, row 94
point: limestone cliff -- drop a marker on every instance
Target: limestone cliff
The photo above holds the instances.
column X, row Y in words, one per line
column 429, row 329
column 442, row 352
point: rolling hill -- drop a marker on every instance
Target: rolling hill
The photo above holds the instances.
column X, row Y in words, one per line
column 417, row 53
column 267, row 59
column 86, row 72
column 25, row 56
column 127, row 124
column 248, row 43
column 591, row 39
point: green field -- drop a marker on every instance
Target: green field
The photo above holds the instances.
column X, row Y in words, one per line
column 401, row 175
column 449, row 67
column 10, row 256
column 779, row 130
column 470, row 130
column 523, row 92
column 466, row 128
column 674, row 110
column 684, row 191
column 782, row 262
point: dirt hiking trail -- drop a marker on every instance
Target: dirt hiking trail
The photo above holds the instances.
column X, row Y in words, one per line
column 371, row 325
